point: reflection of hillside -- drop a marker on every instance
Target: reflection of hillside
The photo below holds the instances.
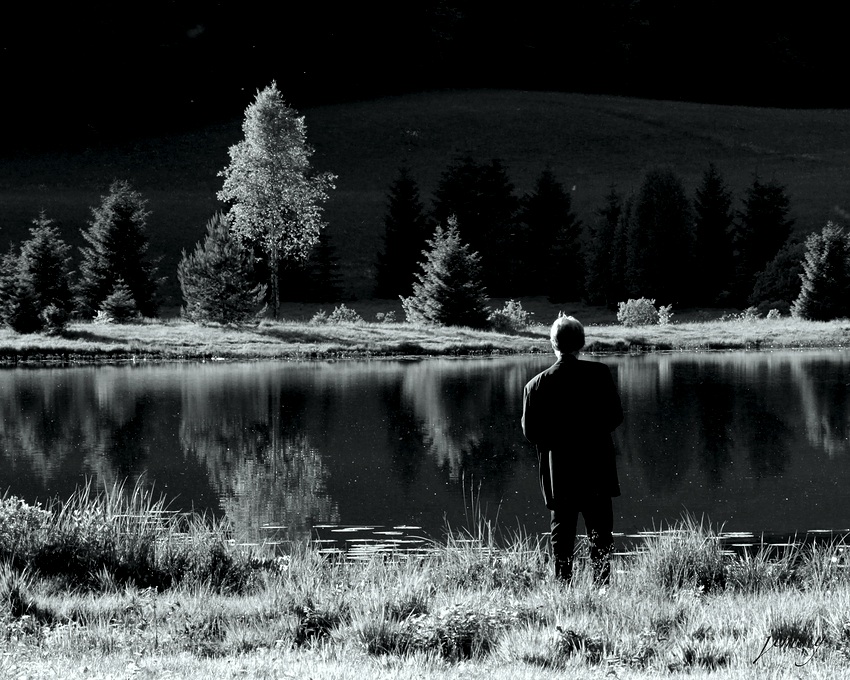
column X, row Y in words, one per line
column 264, row 473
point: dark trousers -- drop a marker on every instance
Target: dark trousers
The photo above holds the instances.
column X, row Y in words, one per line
column 598, row 513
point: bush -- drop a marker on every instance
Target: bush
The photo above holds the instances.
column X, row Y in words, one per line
column 385, row 317
column 749, row 315
column 53, row 319
column 343, row 314
column 512, row 318
column 640, row 312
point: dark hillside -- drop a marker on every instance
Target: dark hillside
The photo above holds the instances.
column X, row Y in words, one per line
column 591, row 141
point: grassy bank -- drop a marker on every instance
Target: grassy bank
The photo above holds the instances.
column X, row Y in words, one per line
column 296, row 337
column 475, row 605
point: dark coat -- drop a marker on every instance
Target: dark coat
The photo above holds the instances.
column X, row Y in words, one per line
column 569, row 411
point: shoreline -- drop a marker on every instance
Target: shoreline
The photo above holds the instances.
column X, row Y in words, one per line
column 163, row 341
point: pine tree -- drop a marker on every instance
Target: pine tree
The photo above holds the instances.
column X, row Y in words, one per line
column 120, row 305
column 405, row 233
column 659, row 254
column 825, row 291
column 18, row 305
column 34, row 285
column 550, row 249
column 763, row 228
column 712, row 239
column 275, row 198
column 600, row 255
column 449, row 290
column 481, row 198
column 45, row 265
column 217, row 278
column 117, row 249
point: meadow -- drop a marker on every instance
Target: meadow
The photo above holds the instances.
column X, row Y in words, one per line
column 112, row 585
column 590, row 142
column 299, row 337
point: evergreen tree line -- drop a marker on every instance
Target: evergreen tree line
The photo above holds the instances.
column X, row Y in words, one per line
column 655, row 242
column 40, row 290
column 479, row 240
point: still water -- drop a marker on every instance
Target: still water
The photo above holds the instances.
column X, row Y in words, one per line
column 756, row 442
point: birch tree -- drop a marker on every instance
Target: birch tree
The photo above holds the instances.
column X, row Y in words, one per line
column 276, row 200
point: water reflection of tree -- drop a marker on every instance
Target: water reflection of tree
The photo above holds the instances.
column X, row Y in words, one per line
column 685, row 410
column 79, row 424
column 715, row 415
column 469, row 416
column 265, row 473
column 825, row 403
column 405, row 440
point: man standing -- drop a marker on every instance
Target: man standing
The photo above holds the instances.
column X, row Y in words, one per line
column 569, row 412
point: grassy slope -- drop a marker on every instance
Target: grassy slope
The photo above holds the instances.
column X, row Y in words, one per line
column 590, row 142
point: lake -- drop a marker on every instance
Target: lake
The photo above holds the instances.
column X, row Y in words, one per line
column 388, row 451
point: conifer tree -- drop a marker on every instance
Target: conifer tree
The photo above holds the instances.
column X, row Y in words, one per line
column 405, row 233
column 117, row 249
column 762, row 229
column 18, row 305
column 659, row 248
column 448, row 291
column 120, row 305
column 600, row 260
column 35, row 290
column 275, row 198
column 217, row 278
column 481, row 198
column 712, row 239
column 825, row 291
column 45, row 265
column 550, row 249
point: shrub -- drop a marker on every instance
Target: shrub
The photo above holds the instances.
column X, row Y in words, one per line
column 665, row 314
column 343, row 314
column 640, row 312
column 385, row 317
column 512, row 318
column 749, row 315
column 53, row 319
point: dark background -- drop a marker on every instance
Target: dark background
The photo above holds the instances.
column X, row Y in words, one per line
column 88, row 73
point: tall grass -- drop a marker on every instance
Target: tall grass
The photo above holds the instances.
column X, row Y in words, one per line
column 139, row 582
column 117, row 536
